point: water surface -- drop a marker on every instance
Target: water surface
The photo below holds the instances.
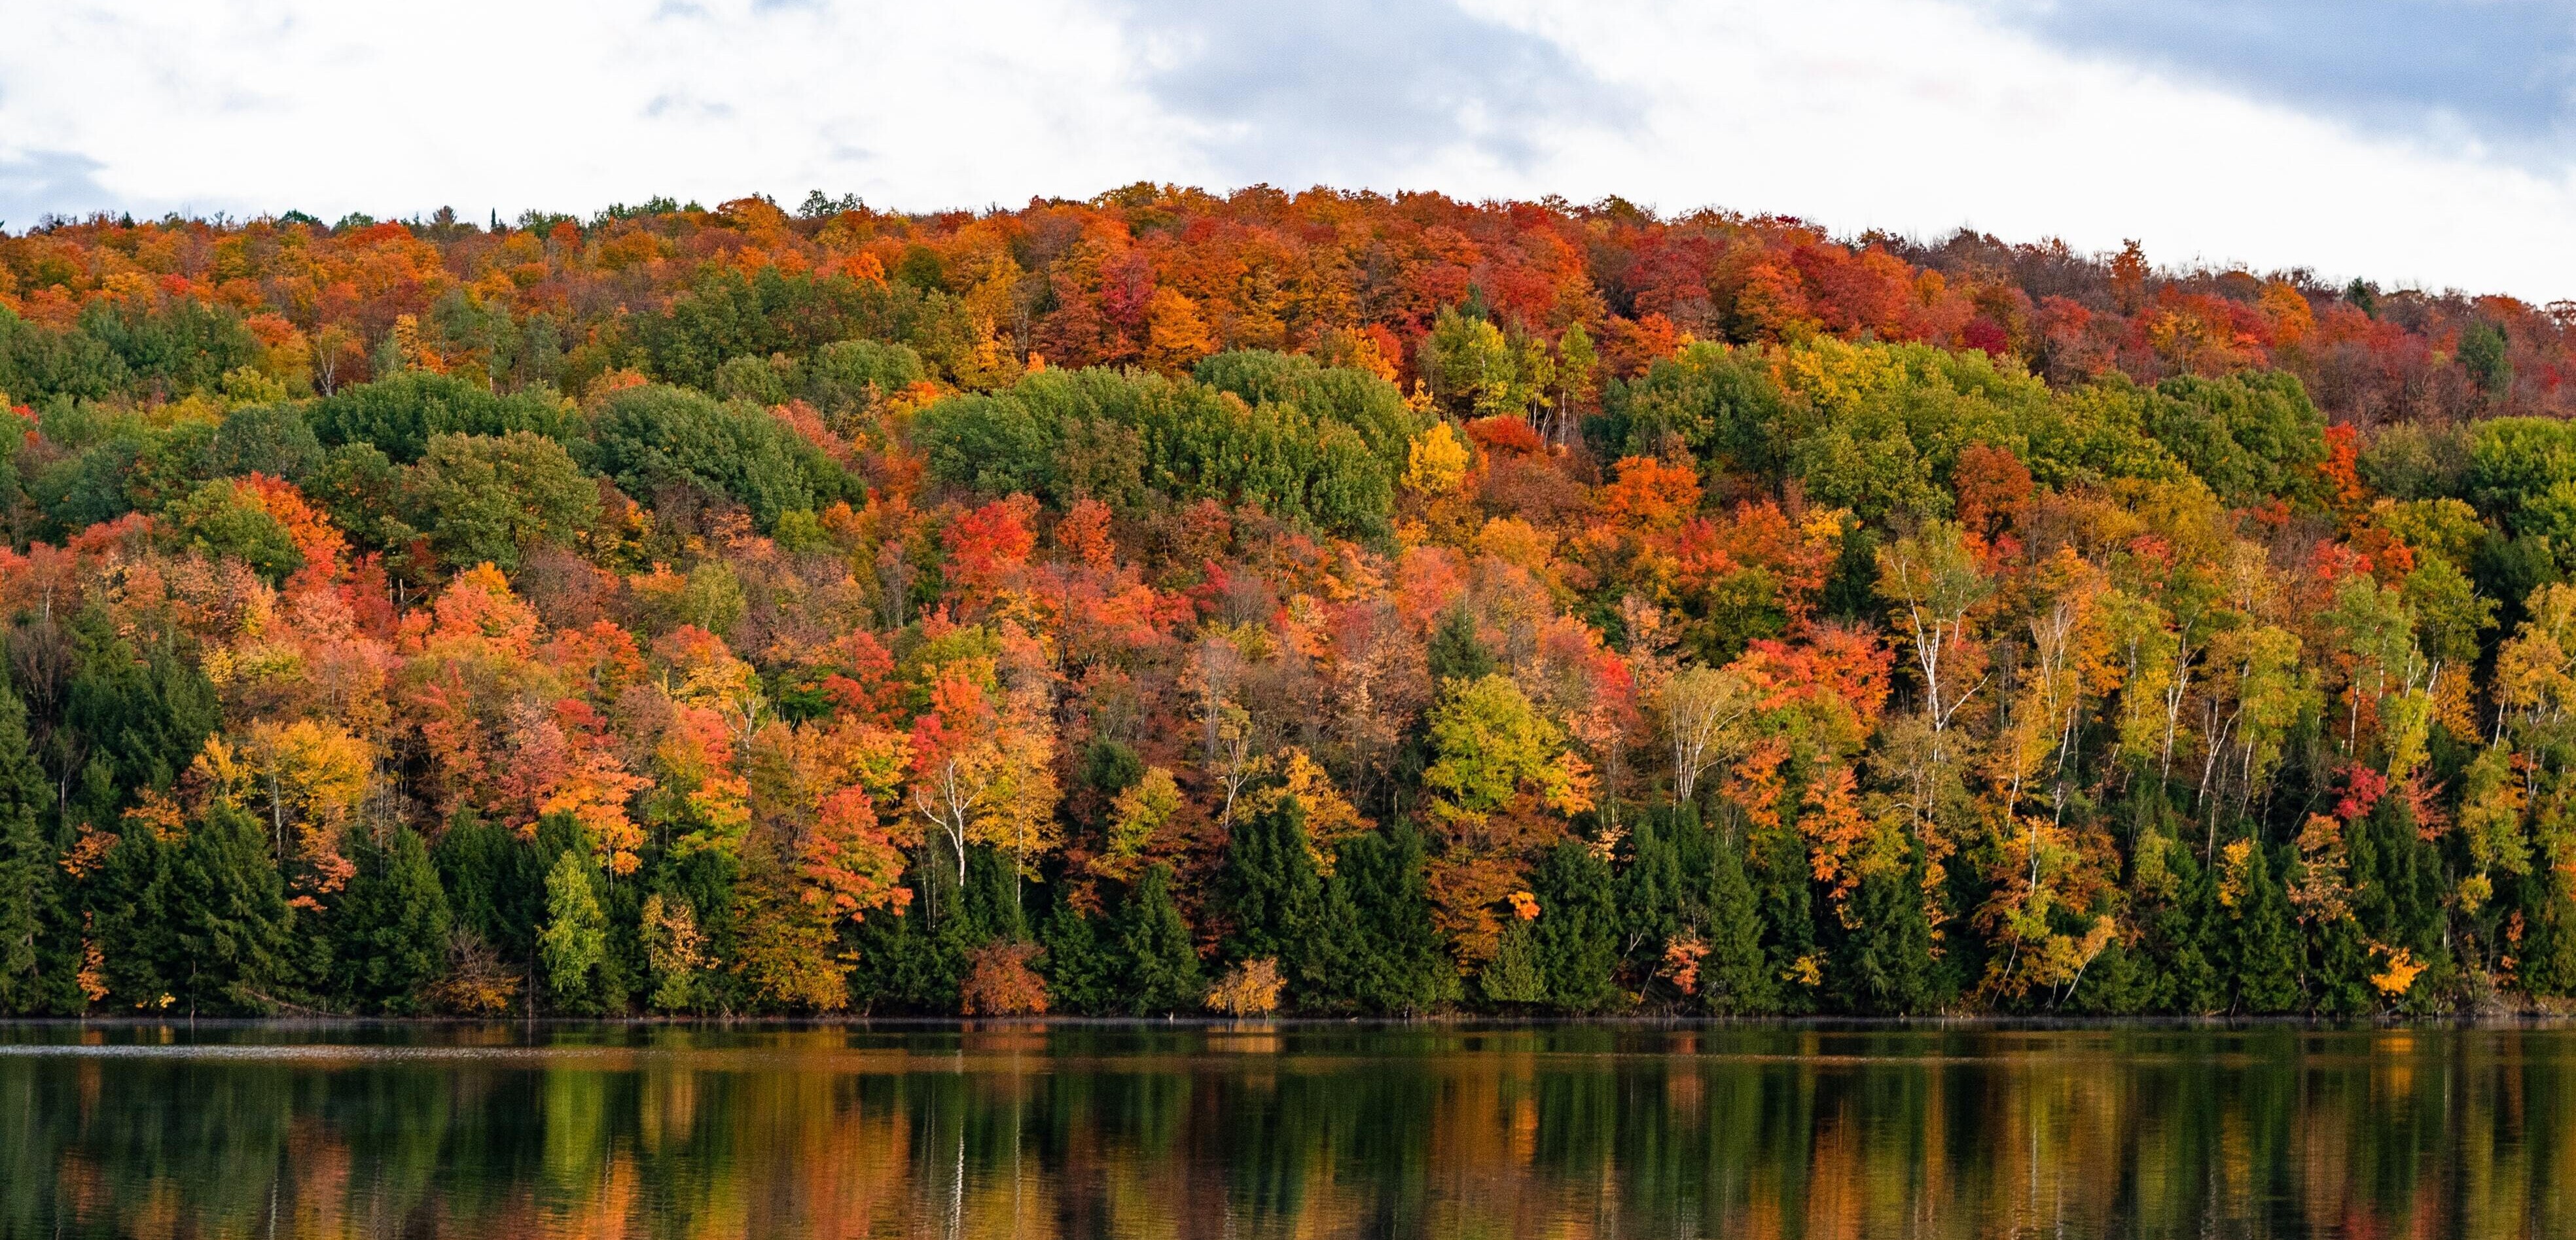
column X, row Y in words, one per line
column 1076, row 1130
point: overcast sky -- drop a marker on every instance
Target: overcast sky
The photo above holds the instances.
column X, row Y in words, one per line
column 2427, row 142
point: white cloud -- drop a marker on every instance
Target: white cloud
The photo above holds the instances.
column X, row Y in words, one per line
column 1900, row 114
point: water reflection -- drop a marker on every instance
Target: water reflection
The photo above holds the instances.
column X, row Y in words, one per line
column 1309, row 1131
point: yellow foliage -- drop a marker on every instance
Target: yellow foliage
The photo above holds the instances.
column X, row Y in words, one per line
column 1248, row 989
column 1435, row 464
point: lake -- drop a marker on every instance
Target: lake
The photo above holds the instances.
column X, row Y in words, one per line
column 1307, row 1130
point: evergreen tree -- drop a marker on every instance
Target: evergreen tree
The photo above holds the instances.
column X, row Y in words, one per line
column 1514, row 977
column 1732, row 979
column 2265, row 946
column 1078, row 968
column 1655, row 907
column 231, row 928
column 1378, row 926
column 36, row 955
column 1455, row 652
column 1162, row 969
column 1270, row 890
column 1783, row 895
column 1884, row 963
column 1577, row 931
column 393, row 925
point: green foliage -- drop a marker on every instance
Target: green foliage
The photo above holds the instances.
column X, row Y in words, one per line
column 2261, row 940
column 651, row 438
column 574, row 944
column 492, row 498
column 35, row 963
column 225, row 521
column 392, row 925
column 845, row 375
column 1162, row 969
column 170, row 349
column 1576, row 939
column 401, row 413
column 2251, row 437
column 729, row 315
column 1379, row 949
column 1122, row 438
column 133, row 718
column 2487, row 356
column 265, row 439
column 1270, row 890
column 1732, row 978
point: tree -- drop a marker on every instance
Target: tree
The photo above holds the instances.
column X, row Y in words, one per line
column 34, row 977
column 1733, row 978
column 1162, row 969
column 574, row 943
column 1576, row 933
column 393, row 926
column 2264, row 946
column 1702, row 708
column 485, row 499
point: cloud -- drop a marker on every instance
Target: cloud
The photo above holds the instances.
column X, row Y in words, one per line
column 1347, row 91
column 39, row 183
column 1916, row 116
column 2493, row 77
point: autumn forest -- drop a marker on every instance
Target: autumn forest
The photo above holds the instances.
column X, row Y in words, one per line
column 1318, row 603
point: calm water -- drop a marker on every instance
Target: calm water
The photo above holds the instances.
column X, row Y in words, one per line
column 1308, row 1131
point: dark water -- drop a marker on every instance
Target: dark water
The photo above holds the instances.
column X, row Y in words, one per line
column 1307, row 1131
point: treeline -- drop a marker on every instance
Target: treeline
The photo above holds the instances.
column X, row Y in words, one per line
column 1325, row 605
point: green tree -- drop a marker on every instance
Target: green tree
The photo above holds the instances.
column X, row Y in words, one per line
column 400, row 413
column 34, row 965
column 1162, row 969
column 2487, row 355
column 226, row 521
column 2263, row 943
column 491, row 498
column 649, row 438
column 1733, row 980
column 393, row 924
column 1577, row 931
column 574, row 944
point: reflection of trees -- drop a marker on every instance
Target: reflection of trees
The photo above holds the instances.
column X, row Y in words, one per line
column 1075, row 1130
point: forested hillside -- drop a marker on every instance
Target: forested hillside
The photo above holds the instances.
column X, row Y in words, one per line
column 1316, row 603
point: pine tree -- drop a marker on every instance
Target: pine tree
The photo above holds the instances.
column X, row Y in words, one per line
column 1162, row 967
column 1577, row 929
column 1077, row 967
column 1271, row 892
column 35, row 968
column 1884, row 963
column 393, row 923
column 1377, row 947
column 1654, row 903
column 1514, row 977
column 1782, row 894
column 1455, row 652
column 232, row 929
column 2266, row 945
column 1732, row 979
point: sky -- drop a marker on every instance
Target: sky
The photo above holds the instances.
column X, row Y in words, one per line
column 2427, row 143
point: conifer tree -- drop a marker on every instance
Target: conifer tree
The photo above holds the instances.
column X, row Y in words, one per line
column 1270, row 890
column 1732, row 979
column 1162, row 967
column 30, row 899
column 393, row 924
column 232, row 927
column 1577, row 929
column 2266, row 945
